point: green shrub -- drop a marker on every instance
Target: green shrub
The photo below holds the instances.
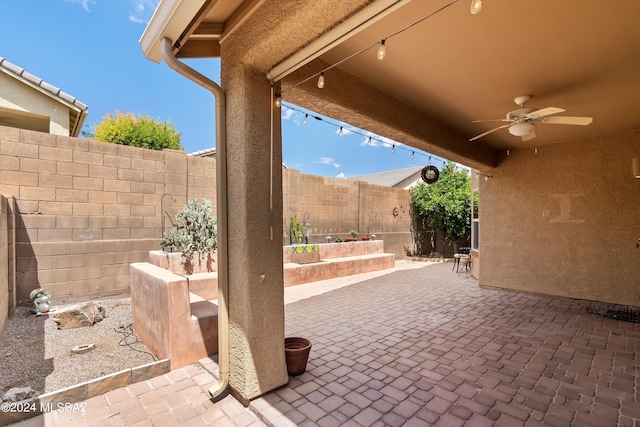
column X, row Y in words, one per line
column 140, row 131
column 194, row 230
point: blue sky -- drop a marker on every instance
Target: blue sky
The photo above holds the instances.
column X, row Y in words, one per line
column 90, row 50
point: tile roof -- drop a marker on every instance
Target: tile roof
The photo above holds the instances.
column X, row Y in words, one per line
column 388, row 178
column 203, row 153
column 40, row 84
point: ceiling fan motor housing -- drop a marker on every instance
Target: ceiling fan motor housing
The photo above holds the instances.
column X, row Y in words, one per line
column 519, row 113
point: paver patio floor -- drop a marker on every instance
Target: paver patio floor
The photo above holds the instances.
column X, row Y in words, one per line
column 420, row 345
column 428, row 346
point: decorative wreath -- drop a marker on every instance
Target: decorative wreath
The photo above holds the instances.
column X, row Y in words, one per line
column 395, row 211
column 430, row 174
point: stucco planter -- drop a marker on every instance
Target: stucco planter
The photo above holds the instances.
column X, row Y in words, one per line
column 173, row 261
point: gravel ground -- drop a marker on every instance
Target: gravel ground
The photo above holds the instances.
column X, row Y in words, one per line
column 35, row 353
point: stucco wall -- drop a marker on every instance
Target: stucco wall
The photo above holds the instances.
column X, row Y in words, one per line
column 21, row 97
column 85, row 209
column 4, row 264
column 565, row 221
column 334, row 207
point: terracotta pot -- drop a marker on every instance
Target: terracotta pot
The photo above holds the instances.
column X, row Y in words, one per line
column 296, row 352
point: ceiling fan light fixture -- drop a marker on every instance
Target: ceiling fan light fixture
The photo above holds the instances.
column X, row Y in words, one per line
column 521, row 129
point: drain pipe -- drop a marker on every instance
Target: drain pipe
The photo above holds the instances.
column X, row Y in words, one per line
column 221, row 198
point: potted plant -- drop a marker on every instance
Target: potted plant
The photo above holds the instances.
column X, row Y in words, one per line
column 296, row 352
column 353, row 234
column 194, row 234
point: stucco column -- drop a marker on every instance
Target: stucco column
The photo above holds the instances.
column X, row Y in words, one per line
column 254, row 184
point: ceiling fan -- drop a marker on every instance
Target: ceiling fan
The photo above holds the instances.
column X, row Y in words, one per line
column 522, row 122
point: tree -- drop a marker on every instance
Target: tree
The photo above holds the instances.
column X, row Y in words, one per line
column 446, row 204
column 140, row 131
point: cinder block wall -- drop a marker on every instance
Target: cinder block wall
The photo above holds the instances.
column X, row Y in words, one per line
column 85, row 209
column 333, row 207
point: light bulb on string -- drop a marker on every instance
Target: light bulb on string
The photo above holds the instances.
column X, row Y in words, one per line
column 413, row 154
column 476, row 6
column 382, row 50
column 369, row 141
column 278, row 100
column 321, row 80
column 340, row 132
column 393, row 149
column 306, row 116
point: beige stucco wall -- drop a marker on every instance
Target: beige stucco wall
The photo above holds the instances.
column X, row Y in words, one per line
column 25, row 99
column 565, row 221
column 4, row 264
column 334, row 207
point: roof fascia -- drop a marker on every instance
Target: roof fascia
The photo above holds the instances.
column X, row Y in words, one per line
column 170, row 19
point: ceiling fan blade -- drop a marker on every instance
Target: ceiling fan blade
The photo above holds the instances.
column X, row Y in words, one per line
column 569, row 120
column 546, row 112
column 489, row 131
column 491, row 120
column 531, row 135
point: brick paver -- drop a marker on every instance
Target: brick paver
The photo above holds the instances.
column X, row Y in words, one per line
column 417, row 346
column 178, row 398
column 427, row 346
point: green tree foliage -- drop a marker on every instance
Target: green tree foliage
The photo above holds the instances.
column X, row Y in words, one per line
column 446, row 204
column 140, row 131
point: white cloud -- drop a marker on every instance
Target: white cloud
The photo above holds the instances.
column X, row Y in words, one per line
column 287, row 113
column 341, row 175
column 373, row 140
column 328, row 161
column 84, row 3
column 142, row 10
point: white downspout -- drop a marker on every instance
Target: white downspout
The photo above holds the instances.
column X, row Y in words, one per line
column 221, row 198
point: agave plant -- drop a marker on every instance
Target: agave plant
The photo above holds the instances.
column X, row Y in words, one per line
column 195, row 230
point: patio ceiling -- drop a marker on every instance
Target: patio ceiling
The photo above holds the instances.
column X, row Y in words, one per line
column 453, row 67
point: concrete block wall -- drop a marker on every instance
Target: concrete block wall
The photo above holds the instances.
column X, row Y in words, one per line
column 85, row 209
column 333, row 207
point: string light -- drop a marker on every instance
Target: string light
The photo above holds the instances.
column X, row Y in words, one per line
column 382, row 50
column 476, row 6
column 369, row 138
column 340, row 132
column 381, row 45
column 278, row 100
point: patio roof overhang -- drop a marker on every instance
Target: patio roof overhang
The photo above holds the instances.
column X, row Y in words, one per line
column 444, row 66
